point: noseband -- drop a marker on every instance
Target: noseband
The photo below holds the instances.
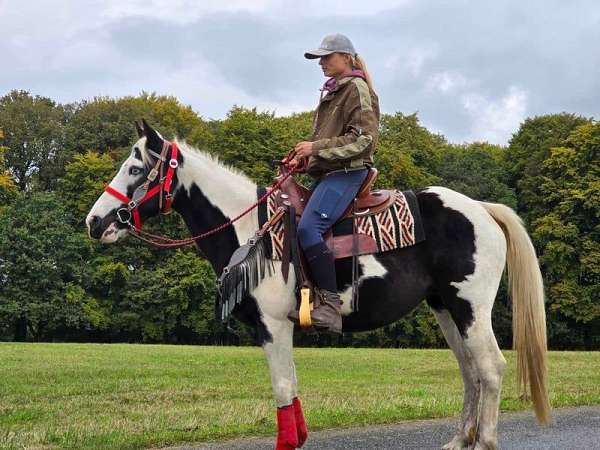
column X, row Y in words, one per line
column 142, row 194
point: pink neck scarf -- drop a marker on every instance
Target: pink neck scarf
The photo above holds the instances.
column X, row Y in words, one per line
column 331, row 84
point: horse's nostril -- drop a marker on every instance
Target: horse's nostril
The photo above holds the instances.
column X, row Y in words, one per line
column 93, row 224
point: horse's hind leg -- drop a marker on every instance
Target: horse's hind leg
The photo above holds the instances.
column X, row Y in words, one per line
column 467, row 427
column 490, row 363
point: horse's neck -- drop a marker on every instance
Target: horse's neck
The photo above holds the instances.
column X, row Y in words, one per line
column 207, row 195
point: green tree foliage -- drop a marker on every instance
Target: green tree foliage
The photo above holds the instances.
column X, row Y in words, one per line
column 7, row 185
column 83, row 181
column 105, row 124
column 172, row 301
column 56, row 284
column 476, row 170
column 569, row 234
column 43, row 262
column 527, row 150
column 33, row 134
column 408, row 154
column 251, row 140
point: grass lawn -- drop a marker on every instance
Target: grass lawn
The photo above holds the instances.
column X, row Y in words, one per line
column 138, row 396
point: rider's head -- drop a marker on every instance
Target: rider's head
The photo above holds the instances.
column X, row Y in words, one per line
column 337, row 57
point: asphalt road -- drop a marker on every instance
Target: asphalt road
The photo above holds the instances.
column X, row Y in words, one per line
column 573, row 428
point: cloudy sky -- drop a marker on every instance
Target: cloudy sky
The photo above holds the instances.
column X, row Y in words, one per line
column 473, row 70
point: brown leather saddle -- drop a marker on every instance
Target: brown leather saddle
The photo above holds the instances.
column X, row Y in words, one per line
column 367, row 202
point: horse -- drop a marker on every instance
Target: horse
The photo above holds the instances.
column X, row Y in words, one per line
column 457, row 270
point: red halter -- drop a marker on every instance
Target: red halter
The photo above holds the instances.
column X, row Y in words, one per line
column 142, row 194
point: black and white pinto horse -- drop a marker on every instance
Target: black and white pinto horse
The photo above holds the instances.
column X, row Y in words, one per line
column 457, row 270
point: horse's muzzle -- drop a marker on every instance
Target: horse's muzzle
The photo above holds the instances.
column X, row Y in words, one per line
column 95, row 227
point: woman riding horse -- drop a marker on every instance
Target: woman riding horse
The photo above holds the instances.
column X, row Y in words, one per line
column 345, row 132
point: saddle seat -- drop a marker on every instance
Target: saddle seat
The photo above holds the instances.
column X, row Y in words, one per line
column 366, row 203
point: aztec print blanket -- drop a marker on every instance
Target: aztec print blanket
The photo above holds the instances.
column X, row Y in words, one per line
column 398, row 226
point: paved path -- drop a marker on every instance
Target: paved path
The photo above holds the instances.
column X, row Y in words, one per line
column 573, row 428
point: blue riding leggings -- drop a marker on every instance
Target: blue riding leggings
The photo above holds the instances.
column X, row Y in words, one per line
column 328, row 201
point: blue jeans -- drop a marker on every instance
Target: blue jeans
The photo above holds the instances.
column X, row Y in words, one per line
column 330, row 198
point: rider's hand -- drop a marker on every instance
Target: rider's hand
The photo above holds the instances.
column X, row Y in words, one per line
column 303, row 149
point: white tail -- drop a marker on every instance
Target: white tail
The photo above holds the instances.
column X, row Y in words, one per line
column 526, row 290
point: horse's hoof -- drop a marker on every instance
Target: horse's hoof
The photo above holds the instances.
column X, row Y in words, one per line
column 458, row 442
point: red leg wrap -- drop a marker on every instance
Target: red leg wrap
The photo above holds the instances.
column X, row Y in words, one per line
column 287, row 436
column 300, row 422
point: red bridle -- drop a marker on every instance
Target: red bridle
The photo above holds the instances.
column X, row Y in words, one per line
column 165, row 184
column 142, row 194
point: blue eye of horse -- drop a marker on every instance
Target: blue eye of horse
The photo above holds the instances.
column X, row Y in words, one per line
column 135, row 171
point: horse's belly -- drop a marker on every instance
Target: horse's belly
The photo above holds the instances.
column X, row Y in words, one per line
column 391, row 284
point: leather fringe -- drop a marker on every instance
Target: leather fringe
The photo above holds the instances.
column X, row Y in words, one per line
column 246, row 269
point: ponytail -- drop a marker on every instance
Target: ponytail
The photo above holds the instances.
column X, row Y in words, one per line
column 360, row 64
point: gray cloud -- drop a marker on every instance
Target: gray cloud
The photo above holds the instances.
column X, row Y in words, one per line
column 473, row 70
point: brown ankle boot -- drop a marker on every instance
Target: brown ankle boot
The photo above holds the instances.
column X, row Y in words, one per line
column 326, row 314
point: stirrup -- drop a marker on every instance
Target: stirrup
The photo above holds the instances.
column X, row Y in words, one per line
column 306, row 306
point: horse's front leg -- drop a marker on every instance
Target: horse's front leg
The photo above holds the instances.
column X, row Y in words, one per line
column 291, row 426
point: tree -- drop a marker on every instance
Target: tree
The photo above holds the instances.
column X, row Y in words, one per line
column 105, row 124
column 7, row 185
column 527, row 150
column 55, row 283
column 251, row 140
column 83, row 182
column 42, row 264
column 569, row 234
column 407, row 153
column 33, row 133
column 477, row 171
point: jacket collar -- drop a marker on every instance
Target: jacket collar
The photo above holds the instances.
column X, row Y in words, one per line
column 332, row 85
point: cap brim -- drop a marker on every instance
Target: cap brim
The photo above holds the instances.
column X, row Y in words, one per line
column 313, row 54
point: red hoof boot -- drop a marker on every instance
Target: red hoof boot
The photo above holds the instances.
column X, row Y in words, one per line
column 300, row 422
column 287, row 435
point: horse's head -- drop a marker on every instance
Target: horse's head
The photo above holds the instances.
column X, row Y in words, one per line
column 112, row 215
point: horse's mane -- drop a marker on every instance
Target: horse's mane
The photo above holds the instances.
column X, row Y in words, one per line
column 205, row 158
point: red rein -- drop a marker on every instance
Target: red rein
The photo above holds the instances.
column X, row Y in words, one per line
column 135, row 229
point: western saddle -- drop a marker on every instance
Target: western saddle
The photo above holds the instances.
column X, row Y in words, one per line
column 366, row 203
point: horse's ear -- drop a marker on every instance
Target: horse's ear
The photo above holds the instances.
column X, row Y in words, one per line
column 155, row 142
column 139, row 129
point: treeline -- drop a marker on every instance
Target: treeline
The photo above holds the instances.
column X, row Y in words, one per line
column 58, row 285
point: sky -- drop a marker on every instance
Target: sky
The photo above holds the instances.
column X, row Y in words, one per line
column 472, row 70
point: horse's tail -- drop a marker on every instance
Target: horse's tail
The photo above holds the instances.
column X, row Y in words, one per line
column 528, row 315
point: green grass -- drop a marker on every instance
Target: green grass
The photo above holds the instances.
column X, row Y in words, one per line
column 138, row 396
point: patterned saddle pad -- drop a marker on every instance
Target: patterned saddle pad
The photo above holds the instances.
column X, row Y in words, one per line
column 398, row 226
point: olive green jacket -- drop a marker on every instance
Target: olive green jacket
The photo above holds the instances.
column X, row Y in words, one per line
column 345, row 128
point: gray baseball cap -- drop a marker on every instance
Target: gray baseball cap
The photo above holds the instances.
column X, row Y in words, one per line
column 332, row 44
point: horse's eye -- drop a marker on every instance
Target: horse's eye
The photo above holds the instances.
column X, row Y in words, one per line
column 135, row 171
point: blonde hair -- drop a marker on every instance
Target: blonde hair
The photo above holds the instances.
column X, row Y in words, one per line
column 360, row 64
